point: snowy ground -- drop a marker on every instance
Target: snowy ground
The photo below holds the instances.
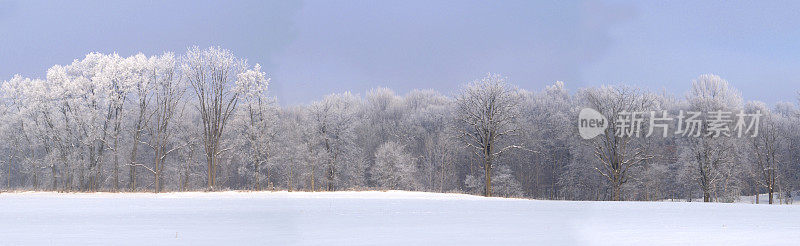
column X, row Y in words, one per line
column 382, row 218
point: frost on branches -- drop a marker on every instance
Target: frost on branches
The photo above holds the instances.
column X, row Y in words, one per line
column 205, row 120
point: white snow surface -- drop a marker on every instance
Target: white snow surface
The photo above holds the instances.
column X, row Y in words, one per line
column 380, row 218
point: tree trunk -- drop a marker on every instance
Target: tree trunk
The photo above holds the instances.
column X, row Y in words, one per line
column 488, row 177
column 157, row 172
column 116, row 174
column 116, row 153
column 210, row 164
column 132, row 177
column 755, row 191
column 331, row 162
column 330, row 172
column 256, row 185
column 313, row 170
column 55, row 181
column 770, row 195
column 8, row 179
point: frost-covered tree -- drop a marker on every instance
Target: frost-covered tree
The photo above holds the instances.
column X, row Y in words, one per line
column 332, row 123
column 204, row 120
column 167, row 107
column 617, row 152
column 790, row 180
column 766, row 149
column 546, row 127
column 712, row 160
column 429, row 134
column 505, row 184
column 255, row 124
column 394, row 168
column 212, row 74
column 488, row 110
column 141, row 97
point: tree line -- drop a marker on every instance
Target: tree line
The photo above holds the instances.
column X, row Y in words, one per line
column 204, row 120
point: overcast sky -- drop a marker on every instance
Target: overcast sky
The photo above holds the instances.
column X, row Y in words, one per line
column 313, row 48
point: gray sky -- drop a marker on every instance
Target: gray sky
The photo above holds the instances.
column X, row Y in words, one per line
column 313, row 48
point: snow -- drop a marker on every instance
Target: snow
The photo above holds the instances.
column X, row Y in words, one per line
column 379, row 218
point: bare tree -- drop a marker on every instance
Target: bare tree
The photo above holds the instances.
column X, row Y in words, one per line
column 168, row 92
column 143, row 87
column 488, row 109
column 394, row 168
column 332, row 125
column 256, row 125
column 617, row 152
column 712, row 159
column 212, row 74
column 766, row 148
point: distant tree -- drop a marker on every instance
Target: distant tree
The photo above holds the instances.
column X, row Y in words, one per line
column 488, row 110
column 142, row 97
column 429, row 133
column 212, row 74
column 506, row 184
column 616, row 152
column 766, row 148
column 711, row 159
column 547, row 127
column 256, row 126
column 394, row 168
column 332, row 123
column 168, row 107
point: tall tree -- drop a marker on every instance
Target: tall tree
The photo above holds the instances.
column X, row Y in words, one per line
column 168, row 91
column 766, row 148
column 332, row 124
column 256, row 126
column 212, row 74
column 488, row 110
column 617, row 150
column 711, row 158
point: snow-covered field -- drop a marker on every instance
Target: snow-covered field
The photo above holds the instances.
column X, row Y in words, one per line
column 380, row 218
